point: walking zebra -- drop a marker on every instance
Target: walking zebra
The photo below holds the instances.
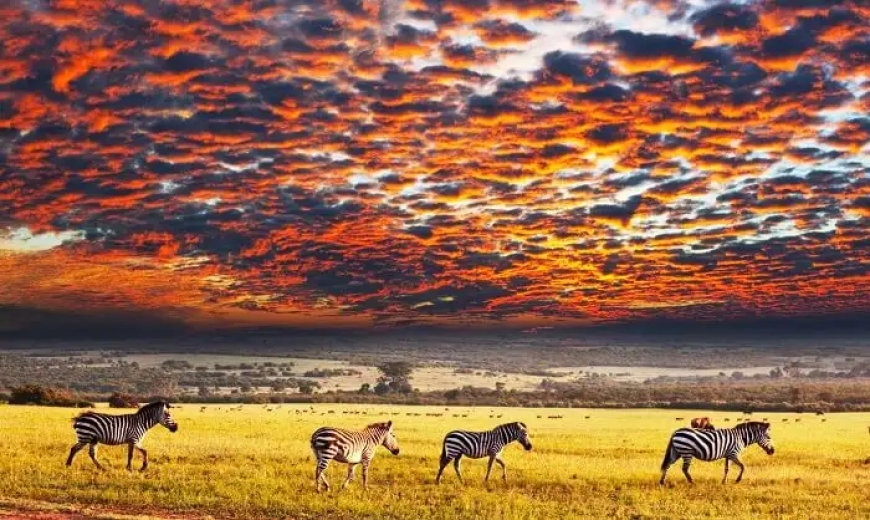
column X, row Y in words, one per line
column 476, row 445
column 93, row 428
column 703, row 423
column 711, row 445
column 352, row 448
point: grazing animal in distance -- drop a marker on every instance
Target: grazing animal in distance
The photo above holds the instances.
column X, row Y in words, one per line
column 352, row 448
column 702, row 423
column 94, row 428
column 476, row 445
column 709, row 445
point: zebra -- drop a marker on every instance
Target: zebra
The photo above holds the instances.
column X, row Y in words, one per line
column 476, row 445
column 93, row 428
column 352, row 448
column 711, row 445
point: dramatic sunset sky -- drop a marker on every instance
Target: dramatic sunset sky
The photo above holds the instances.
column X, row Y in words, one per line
column 349, row 163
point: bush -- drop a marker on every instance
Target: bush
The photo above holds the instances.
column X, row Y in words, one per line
column 44, row 396
column 120, row 400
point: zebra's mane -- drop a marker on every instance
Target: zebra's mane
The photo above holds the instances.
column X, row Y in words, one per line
column 150, row 407
column 516, row 425
column 379, row 426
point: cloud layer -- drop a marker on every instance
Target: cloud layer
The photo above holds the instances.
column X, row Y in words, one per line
column 352, row 162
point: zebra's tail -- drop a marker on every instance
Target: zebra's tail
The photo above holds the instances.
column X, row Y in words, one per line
column 668, row 460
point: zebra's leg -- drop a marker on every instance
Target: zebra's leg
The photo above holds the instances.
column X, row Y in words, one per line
column 129, row 456
column 687, row 461
column 503, row 468
column 365, row 472
column 319, row 477
column 489, row 467
column 739, row 465
column 77, row 447
column 727, row 465
column 443, row 464
column 456, row 466
column 350, row 470
column 670, row 457
column 144, row 458
column 92, row 451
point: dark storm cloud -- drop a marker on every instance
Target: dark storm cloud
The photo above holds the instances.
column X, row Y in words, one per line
column 580, row 69
column 724, row 17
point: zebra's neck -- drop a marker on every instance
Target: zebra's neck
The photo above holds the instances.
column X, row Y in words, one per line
column 506, row 435
column 746, row 435
column 149, row 418
column 377, row 434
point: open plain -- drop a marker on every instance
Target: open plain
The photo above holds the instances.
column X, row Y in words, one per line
column 255, row 462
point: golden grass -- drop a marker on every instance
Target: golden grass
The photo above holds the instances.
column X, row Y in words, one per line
column 257, row 464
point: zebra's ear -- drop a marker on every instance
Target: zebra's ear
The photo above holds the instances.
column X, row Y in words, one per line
column 390, row 424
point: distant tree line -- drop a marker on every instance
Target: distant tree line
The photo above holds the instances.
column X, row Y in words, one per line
column 784, row 396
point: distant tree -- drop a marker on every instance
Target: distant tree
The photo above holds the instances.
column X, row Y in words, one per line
column 500, row 386
column 365, row 388
column 397, row 377
column 382, row 388
column 176, row 364
column 308, row 387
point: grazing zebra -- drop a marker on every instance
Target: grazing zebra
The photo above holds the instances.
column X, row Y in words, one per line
column 477, row 445
column 93, row 428
column 702, row 423
column 352, row 448
column 711, row 445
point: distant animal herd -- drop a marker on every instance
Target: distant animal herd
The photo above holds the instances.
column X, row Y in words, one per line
column 701, row 440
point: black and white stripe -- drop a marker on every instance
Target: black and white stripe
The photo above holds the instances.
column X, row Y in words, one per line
column 94, row 428
column 727, row 443
column 352, row 448
column 476, row 445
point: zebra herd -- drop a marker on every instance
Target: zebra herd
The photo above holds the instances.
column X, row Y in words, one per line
column 357, row 447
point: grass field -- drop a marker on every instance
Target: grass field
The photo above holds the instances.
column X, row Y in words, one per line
column 255, row 463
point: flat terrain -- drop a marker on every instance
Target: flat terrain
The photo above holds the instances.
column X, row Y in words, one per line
column 256, row 463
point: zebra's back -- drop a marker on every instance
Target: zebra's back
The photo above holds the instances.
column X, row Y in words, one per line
column 104, row 428
column 703, row 444
column 338, row 443
column 471, row 444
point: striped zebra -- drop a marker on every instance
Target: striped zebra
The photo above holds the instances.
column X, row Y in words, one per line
column 476, row 445
column 352, row 448
column 711, row 445
column 93, row 428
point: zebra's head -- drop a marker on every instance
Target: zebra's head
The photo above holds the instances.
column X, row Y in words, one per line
column 166, row 418
column 522, row 432
column 758, row 432
column 158, row 413
column 389, row 441
column 764, row 439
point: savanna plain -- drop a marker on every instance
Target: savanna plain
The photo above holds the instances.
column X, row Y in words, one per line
column 254, row 461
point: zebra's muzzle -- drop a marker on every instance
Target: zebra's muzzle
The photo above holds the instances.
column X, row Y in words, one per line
column 395, row 451
column 528, row 446
column 173, row 428
column 769, row 451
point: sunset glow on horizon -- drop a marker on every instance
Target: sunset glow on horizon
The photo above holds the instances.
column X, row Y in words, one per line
column 350, row 163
